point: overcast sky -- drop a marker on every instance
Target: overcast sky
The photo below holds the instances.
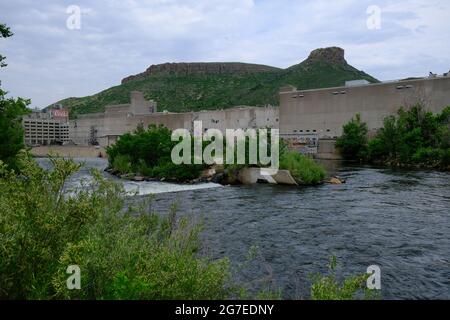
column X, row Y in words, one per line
column 48, row 61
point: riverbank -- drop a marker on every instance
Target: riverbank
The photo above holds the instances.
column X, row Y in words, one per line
column 69, row 151
column 397, row 219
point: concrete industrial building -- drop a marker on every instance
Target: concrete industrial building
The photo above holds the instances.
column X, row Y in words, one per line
column 46, row 128
column 104, row 128
column 323, row 112
column 304, row 116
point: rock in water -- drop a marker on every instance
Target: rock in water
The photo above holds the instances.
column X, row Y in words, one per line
column 335, row 180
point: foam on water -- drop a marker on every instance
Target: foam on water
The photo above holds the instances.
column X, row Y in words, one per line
column 83, row 178
column 154, row 187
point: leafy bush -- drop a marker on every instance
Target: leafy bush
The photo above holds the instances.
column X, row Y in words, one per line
column 121, row 256
column 353, row 142
column 148, row 152
column 303, row 169
column 429, row 154
column 181, row 172
column 329, row 288
column 11, row 112
column 412, row 137
column 122, row 163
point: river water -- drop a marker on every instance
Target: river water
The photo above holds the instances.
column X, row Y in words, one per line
column 398, row 220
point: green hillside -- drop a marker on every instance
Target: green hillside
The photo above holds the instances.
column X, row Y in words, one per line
column 183, row 91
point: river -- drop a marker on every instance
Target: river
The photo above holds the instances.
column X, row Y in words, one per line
column 398, row 220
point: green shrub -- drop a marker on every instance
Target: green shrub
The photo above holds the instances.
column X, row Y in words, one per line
column 132, row 254
column 122, row 163
column 328, row 287
column 148, row 152
column 303, row 169
column 445, row 158
column 353, row 142
column 180, row 172
column 11, row 112
column 427, row 155
column 143, row 169
column 411, row 137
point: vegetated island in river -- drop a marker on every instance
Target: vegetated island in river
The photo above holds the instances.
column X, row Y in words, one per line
column 145, row 155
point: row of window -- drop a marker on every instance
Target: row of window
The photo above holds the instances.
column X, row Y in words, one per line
column 301, row 95
column 45, row 130
column 26, row 122
column 309, row 131
column 46, row 135
column 46, row 126
column 217, row 121
column 399, row 87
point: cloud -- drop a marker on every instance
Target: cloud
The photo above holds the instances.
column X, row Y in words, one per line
column 48, row 62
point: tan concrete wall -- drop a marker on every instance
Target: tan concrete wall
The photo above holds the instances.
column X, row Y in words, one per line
column 116, row 124
column 327, row 150
column 325, row 111
column 69, row 151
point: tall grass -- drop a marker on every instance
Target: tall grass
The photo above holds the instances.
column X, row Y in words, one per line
column 303, row 169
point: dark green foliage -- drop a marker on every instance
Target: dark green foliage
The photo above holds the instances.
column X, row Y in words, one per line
column 132, row 254
column 148, row 153
column 302, row 168
column 412, row 137
column 179, row 93
column 11, row 112
column 11, row 131
column 5, row 32
column 353, row 142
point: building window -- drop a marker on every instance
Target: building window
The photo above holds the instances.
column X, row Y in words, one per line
column 328, row 130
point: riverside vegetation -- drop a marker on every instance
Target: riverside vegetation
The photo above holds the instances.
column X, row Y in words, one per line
column 131, row 254
column 411, row 138
column 122, row 253
column 148, row 153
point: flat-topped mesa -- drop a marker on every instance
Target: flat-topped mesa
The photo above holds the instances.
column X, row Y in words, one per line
column 333, row 55
column 201, row 68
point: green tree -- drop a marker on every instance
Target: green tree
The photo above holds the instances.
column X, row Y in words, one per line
column 413, row 137
column 11, row 111
column 353, row 142
column 148, row 152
